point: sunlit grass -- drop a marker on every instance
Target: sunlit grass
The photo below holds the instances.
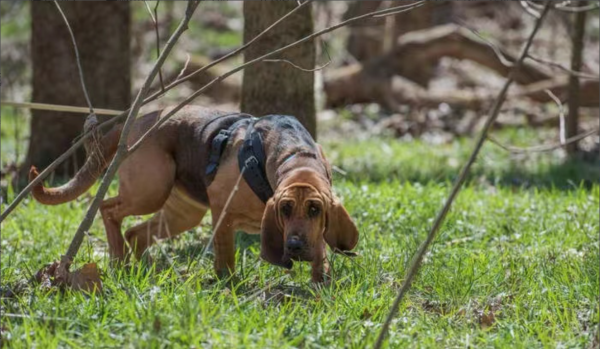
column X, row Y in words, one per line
column 526, row 254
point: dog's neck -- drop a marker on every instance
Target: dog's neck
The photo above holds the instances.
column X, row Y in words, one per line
column 288, row 146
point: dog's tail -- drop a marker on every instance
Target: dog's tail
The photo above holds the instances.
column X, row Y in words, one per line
column 100, row 152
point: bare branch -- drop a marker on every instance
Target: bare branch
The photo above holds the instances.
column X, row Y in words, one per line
column 562, row 67
column 544, row 147
column 562, row 6
column 57, row 107
column 561, row 115
column 185, row 65
column 122, row 146
column 418, row 258
column 154, row 17
column 299, row 67
column 83, row 87
column 395, row 10
column 527, row 7
column 497, row 51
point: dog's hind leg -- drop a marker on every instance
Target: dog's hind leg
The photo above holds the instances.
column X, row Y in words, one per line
column 179, row 214
column 112, row 215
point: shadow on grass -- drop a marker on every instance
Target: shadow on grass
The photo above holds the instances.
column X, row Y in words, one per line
column 571, row 174
column 383, row 159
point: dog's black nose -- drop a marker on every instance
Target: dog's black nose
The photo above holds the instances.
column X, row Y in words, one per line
column 294, row 244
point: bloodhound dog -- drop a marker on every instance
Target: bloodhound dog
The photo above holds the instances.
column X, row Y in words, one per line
column 264, row 175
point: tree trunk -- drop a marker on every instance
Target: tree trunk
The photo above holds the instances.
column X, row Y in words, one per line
column 101, row 31
column 576, row 56
column 278, row 87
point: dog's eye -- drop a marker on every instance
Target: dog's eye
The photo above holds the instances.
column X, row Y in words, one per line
column 313, row 211
column 286, row 209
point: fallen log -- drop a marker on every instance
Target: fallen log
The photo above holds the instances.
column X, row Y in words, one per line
column 589, row 91
column 371, row 81
column 352, row 84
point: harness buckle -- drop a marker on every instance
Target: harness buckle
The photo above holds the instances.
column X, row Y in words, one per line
column 251, row 161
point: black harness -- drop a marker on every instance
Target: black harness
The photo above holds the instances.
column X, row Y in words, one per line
column 252, row 161
column 251, row 158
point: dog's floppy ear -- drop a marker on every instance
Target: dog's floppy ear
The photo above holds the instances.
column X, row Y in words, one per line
column 271, row 237
column 341, row 233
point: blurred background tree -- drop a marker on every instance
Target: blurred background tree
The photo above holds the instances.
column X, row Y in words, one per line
column 278, row 87
column 101, row 30
column 427, row 74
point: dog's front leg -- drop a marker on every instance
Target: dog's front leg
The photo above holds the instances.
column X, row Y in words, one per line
column 320, row 266
column 224, row 247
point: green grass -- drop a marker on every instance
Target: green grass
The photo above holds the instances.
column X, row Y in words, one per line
column 521, row 241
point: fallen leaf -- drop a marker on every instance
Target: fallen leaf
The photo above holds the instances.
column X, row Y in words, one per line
column 57, row 274
column 85, row 279
column 486, row 319
column 45, row 276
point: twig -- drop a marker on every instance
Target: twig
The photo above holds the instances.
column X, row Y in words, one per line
column 497, row 51
column 562, row 67
column 527, row 7
column 187, row 62
column 561, row 115
column 590, row 7
column 154, row 17
column 85, row 93
column 544, row 147
column 339, row 170
column 395, row 10
column 418, row 258
column 299, row 67
column 58, row 107
column 563, row 7
column 122, row 146
column 118, row 118
column 389, row 11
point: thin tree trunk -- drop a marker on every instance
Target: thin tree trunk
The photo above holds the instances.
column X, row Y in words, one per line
column 576, row 57
column 278, row 87
column 101, row 30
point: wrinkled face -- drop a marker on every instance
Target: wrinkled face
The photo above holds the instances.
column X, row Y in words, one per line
column 301, row 213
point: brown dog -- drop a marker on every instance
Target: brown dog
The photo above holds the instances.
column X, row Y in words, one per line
column 174, row 174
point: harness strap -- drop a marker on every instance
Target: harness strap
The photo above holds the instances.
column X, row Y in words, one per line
column 219, row 143
column 218, row 146
column 251, row 156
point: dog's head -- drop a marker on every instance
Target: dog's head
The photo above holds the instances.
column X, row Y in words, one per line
column 301, row 216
